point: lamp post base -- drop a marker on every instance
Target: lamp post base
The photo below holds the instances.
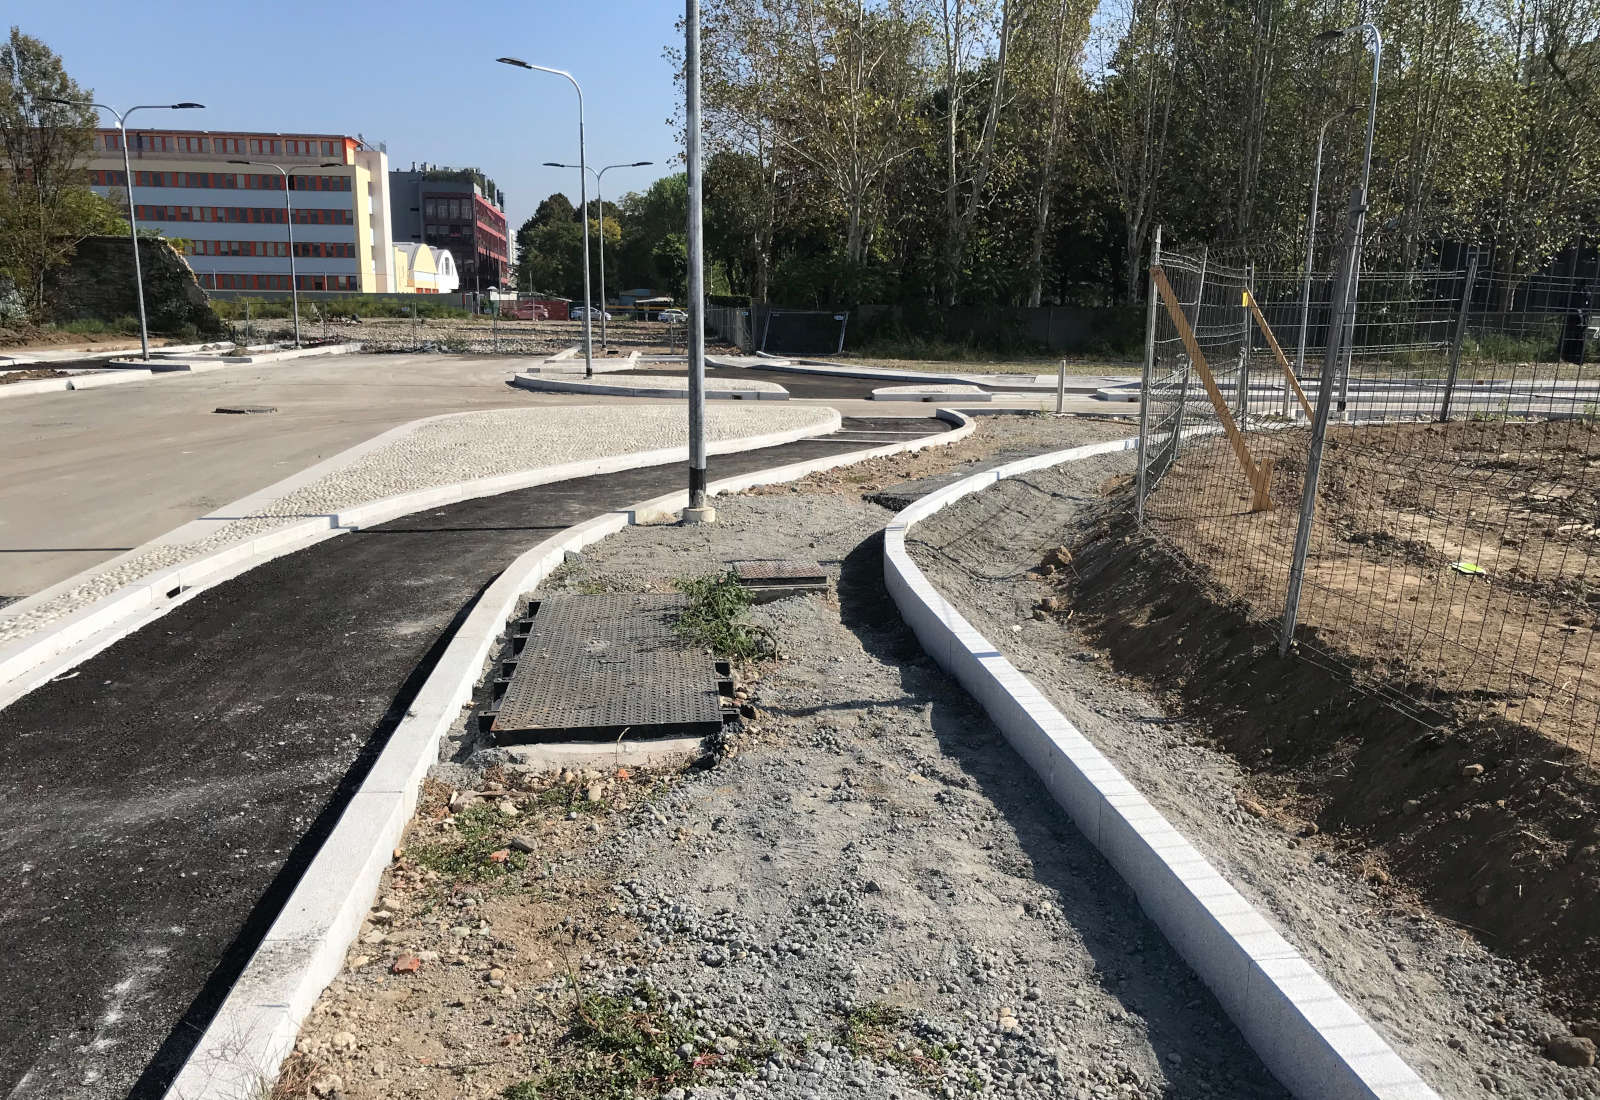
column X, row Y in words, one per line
column 705, row 514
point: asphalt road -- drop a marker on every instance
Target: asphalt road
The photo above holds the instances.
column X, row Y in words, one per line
column 87, row 475
column 158, row 806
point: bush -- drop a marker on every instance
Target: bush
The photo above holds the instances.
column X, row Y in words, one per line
column 715, row 618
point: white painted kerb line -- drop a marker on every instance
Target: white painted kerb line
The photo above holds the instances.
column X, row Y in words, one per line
column 1308, row 1036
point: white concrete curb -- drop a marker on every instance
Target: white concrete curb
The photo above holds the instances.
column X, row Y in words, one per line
column 748, row 391
column 1308, row 1036
column 54, row 649
column 37, row 385
column 45, row 359
column 199, row 364
column 932, row 392
column 109, row 378
column 256, row 1027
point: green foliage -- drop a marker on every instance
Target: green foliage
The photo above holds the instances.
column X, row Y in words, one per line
column 46, row 207
column 878, row 1031
column 616, row 1047
column 91, row 326
column 717, row 618
column 480, row 830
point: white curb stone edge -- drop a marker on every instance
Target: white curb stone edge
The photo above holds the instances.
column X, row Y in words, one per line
column 255, row 1029
column 1308, row 1036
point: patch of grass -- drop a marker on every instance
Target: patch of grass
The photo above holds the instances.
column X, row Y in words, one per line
column 480, row 831
column 716, row 618
column 878, row 1031
column 615, row 1050
column 94, row 326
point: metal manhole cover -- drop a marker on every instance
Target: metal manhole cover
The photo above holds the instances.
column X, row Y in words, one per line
column 786, row 571
column 594, row 666
column 246, row 410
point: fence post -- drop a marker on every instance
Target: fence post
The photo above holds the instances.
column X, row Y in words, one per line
column 1456, row 341
column 1242, row 399
column 1061, row 388
column 1188, row 364
column 1148, row 373
column 1319, row 426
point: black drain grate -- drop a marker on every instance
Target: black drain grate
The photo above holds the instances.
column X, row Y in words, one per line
column 592, row 667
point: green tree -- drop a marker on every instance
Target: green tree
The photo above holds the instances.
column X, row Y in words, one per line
column 46, row 206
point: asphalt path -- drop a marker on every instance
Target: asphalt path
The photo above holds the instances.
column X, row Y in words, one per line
column 815, row 387
column 159, row 803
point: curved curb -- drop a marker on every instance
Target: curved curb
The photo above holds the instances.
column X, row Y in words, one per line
column 256, row 1027
column 753, row 391
column 79, row 635
column 1308, row 1036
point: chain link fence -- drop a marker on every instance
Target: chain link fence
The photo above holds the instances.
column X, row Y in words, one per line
column 1449, row 562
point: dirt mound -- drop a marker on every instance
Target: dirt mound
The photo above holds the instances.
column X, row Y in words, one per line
column 1496, row 825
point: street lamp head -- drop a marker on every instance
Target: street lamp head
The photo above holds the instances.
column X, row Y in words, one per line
column 188, row 106
column 238, row 162
column 58, row 99
column 640, row 163
column 556, row 164
column 517, row 61
column 1326, row 37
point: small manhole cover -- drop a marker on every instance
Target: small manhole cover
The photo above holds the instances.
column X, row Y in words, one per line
column 245, row 410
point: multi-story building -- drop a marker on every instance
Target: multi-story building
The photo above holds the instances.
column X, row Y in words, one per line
column 458, row 209
column 230, row 216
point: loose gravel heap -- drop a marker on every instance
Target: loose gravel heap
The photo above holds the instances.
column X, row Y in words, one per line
column 860, row 892
column 458, row 448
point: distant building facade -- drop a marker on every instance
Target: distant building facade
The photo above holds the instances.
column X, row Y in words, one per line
column 231, row 215
column 458, row 209
column 423, row 269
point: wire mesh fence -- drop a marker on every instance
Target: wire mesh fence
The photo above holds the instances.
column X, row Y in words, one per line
column 1452, row 560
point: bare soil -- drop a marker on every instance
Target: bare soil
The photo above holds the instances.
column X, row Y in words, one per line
column 483, row 334
column 1444, row 881
column 29, row 374
column 1402, row 510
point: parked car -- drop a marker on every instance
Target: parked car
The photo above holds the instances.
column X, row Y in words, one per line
column 673, row 317
column 580, row 313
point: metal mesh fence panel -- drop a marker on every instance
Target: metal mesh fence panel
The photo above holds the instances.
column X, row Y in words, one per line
column 1451, row 564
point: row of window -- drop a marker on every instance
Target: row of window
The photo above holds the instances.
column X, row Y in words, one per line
column 245, row 181
column 266, row 215
column 229, row 281
column 185, row 143
column 329, row 250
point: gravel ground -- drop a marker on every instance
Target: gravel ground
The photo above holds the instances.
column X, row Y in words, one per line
column 862, row 892
column 474, row 445
column 1468, row 1021
column 479, row 334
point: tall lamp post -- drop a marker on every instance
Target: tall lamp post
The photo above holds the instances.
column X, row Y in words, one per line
column 288, row 217
column 1311, row 242
column 599, row 177
column 583, row 203
column 127, row 172
column 1369, row 32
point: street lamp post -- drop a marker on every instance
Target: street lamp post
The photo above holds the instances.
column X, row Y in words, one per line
column 1311, row 244
column 583, row 202
column 288, row 217
column 127, row 172
column 599, row 177
column 1366, row 30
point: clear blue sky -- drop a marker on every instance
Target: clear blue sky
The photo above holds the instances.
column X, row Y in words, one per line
column 419, row 76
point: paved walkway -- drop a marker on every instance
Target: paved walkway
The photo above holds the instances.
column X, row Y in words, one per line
column 157, row 806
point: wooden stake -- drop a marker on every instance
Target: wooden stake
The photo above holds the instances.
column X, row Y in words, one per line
column 1272, row 341
column 1259, row 477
